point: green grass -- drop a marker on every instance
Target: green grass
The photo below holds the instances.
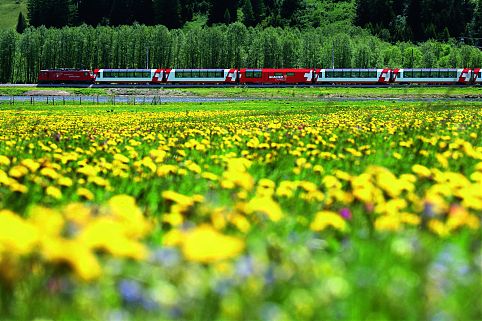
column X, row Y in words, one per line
column 9, row 10
column 388, row 92
column 284, row 93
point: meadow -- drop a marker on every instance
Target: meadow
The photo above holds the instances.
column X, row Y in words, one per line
column 258, row 210
column 287, row 93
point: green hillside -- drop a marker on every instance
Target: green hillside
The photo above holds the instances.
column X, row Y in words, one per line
column 9, row 10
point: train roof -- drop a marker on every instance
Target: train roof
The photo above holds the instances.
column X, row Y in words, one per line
column 65, row 69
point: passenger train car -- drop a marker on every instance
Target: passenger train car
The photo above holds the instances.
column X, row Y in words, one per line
column 435, row 76
column 275, row 76
column 352, row 76
column 200, row 76
column 264, row 76
column 128, row 76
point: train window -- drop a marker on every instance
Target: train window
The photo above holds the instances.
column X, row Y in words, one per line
column 219, row 74
column 147, row 74
column 447, row 74
column 211, row 74
column 480, row 74
column 278, row 74
column 252, row 74
column 425, row 74
column 182, row 74
column 203, row 74
column 290, row 74
column 328, row 74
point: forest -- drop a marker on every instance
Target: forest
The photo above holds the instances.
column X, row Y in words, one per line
column 232, row 34
column 404, row 20
column 220, row 46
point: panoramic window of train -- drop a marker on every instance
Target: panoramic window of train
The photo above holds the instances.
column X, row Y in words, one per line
column 253, row 74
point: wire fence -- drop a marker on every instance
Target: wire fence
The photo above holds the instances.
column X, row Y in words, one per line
column 107, row 100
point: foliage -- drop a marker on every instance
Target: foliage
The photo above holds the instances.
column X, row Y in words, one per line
column 219, row 46
column 416, row 20
column 248, row 211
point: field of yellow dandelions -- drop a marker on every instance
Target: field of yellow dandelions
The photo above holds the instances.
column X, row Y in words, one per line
column 253, row 211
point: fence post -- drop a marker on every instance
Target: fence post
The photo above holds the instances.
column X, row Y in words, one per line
column 47, row 100
column 97, row 99
column 53, row 100
column 113, row 100
column 80, row 100
column 63, row 100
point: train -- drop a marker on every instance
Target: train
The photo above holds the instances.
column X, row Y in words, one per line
column 265, row 76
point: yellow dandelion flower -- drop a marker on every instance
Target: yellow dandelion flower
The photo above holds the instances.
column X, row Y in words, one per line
column 54, row 192
column 18, row 171
column 124, row 208
column 183, row 200
column 325, row 219
column 75, row 254
column 265, row 205
column 421, row 171
column 4, row 160
column 206, row 245
column 121, row 158
column 391, row 222
column 438, row 228
column 85, row 193
column 88, row 170
column 49, row 172
column 65, row 181
column 30, row 164
column 173, row 238
column 113, row 237
column 17, row 236
column 49, row 221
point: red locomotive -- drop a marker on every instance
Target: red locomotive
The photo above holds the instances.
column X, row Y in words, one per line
column 66, row 76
